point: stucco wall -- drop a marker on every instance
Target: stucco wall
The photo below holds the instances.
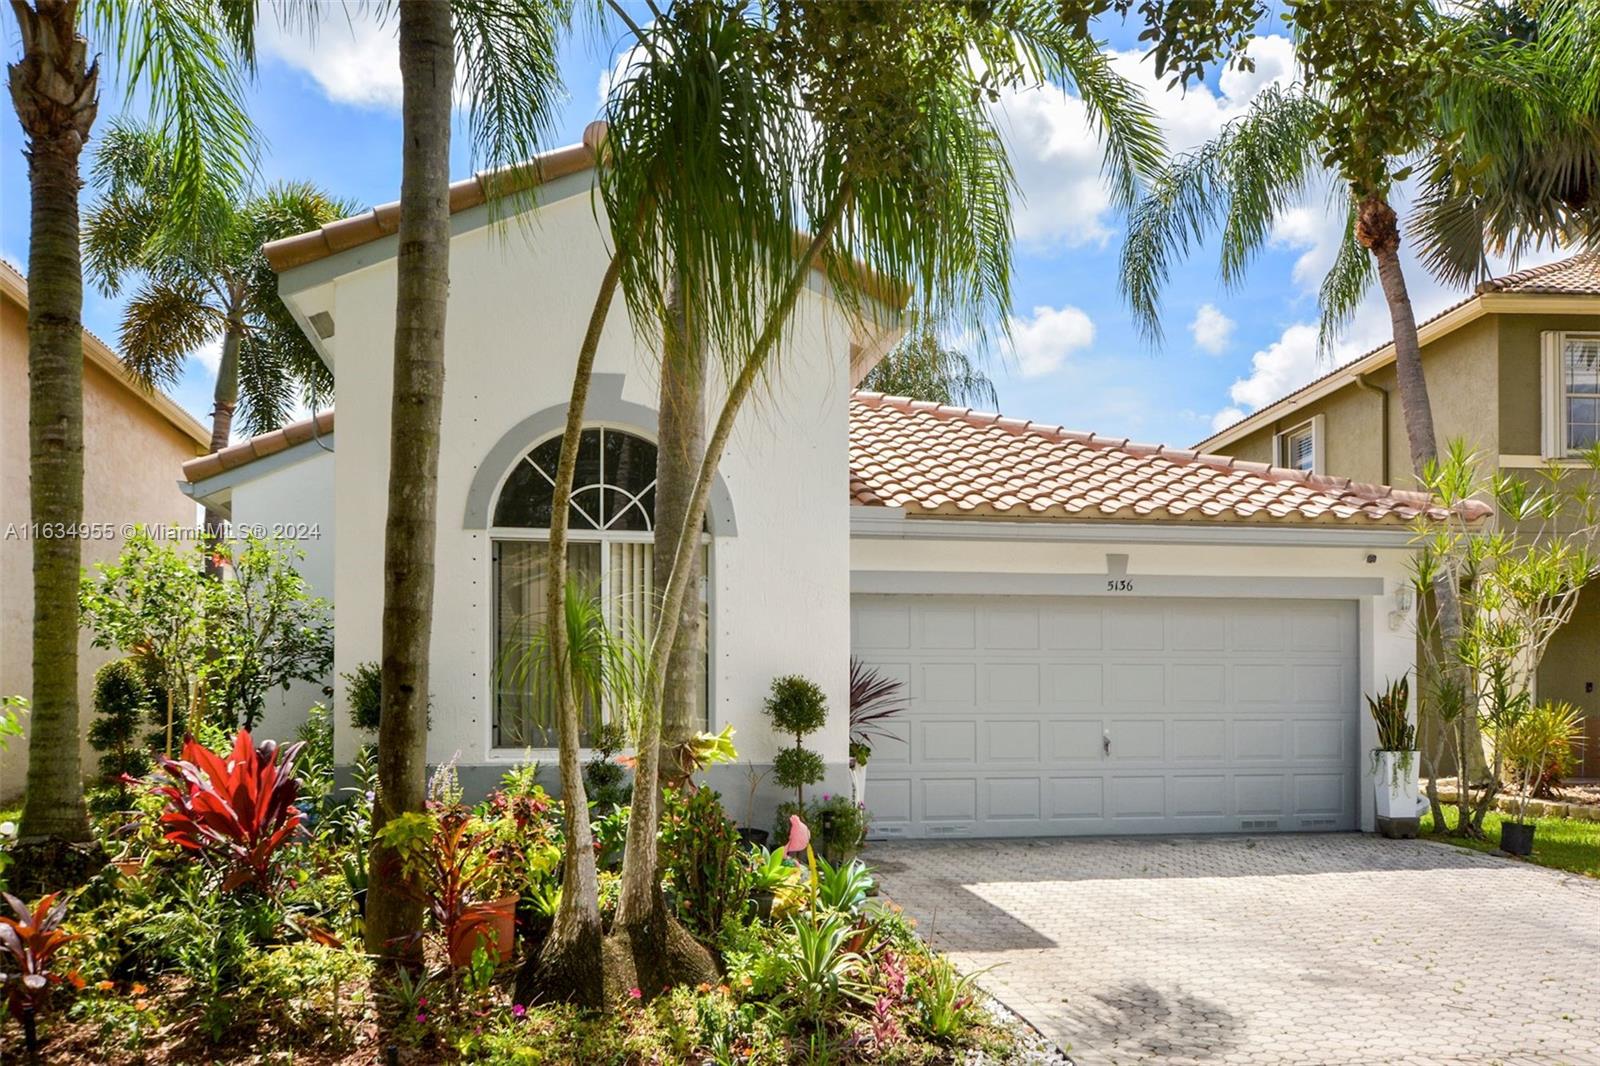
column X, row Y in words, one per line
column 132, row 457
column 780, row 596
column 1571, row 672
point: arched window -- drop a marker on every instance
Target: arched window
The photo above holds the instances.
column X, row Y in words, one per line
column 610, row 548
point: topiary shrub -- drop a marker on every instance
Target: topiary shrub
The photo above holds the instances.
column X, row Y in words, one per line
column 604, row 779
column 798, row 707
column 120, row 704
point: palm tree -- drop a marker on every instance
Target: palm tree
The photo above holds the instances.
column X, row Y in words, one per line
column 899, row 170
column 215, row 283
column 923, row 367
column 186, row 59
column 1387, row 87
column 510, row 81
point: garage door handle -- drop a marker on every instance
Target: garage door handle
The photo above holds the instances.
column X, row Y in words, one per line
column 1105, row 740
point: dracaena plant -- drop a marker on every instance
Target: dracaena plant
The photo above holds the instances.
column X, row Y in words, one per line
column 29, row 940
column 236, row 810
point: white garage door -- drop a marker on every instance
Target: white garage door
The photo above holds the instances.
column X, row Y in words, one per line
column 1032, row 716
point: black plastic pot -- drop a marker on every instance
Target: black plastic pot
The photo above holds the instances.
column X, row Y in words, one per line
column 763, row 901
column 1516, row 838
column 757, row 837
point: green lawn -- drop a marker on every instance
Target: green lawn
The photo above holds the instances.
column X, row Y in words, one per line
column 1560, row 843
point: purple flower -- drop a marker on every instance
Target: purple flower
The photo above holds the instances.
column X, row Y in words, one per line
column 422, row 1019
column 518, row 1010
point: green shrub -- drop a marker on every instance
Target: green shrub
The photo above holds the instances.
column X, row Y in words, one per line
column 838, row 825
column 120, row 703
column 704, row 860
column 798, row 767
column 363, row 691
column 604, row 779
column 301, row 990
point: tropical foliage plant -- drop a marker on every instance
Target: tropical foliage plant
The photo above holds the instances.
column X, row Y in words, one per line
column 875, row 700
column 236, row 810
column 30, row 938
column 1538, row 748
column 1391, row 713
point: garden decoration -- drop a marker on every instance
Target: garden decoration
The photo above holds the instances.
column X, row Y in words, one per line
column 1395, row 763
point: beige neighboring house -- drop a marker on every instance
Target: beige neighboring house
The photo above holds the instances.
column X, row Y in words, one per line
column 1515, row 371
column 134, row 444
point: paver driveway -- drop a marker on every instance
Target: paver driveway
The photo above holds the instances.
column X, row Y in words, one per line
column 1283, row 949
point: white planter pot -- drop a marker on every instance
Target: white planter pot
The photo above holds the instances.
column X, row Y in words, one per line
column 858, row 782
column 1395, row 788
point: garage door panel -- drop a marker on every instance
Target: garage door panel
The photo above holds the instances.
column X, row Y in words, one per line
column 950, row 799
column 1011, row 741
column 1014, row 799
column 953, row 740
column 948, row 683
column 1076, row 740
column 1138, row 740
column 1077, row 798
column 1200, row 740
column 1011, row 628
column 1195, row 796
column 1138, row 682
column 1256, row 739
column 949, row 627
column 1073, row 683
column 1139, row 797
column 1011, row 683
column 1222, row 715
column 1072, row 628
column 893, row 747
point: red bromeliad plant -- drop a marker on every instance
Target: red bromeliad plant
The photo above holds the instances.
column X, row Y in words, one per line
column 30, row 940
column 236, row 811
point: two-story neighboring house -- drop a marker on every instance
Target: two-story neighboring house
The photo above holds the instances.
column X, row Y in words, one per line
column 1514, row 370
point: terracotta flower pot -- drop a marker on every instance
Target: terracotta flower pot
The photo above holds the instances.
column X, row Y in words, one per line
column 491, row 924
column 128, row 867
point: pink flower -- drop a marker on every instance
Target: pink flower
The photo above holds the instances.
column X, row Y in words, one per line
column 635, row 993
column 518, row 1010
column 422, row 1019
column 799, row 836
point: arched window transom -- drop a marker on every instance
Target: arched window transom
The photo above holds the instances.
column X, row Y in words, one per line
column 613, row 488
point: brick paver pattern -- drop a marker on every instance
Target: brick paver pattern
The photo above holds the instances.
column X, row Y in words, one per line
column 1326, row 949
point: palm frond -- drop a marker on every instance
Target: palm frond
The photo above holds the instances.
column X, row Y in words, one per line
column 177, row 54
column 163, row 324
column 1345, row 283
column 1235, row 186
column 923, row 367
column 268, row 388
column 506, row 55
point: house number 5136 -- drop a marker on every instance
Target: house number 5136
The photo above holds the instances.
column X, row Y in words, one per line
column 1119, row 584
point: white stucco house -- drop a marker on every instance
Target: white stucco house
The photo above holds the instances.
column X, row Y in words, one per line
column 1095, row 636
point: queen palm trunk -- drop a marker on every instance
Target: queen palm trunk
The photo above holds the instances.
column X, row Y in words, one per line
column 55, row 91
column 658, row 951
column 427, row 71
column 681, row 444
column 224, row 401
column 1378, row 231
column 569, row 966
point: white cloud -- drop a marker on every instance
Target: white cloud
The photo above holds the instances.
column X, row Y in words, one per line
column 353, row 55
column 1044, row 339
column 1225, row 418
column 1285, row 364
column 209, row 355
column 1057, row 158
column 1211, row 329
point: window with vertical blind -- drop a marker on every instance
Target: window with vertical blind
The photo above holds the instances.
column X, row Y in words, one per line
column 610, row 549
column 1300, row 448
column 1572, row 393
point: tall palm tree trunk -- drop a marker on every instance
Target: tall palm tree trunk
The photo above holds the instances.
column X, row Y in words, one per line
column 681, row 446
column 569, row 964
column 1377, row 228
column 224, row 401
column 55, row 92
column 427, row 71
column 657, row 950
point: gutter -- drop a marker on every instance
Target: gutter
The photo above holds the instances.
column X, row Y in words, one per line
column 1386, row 476
column 892, row 523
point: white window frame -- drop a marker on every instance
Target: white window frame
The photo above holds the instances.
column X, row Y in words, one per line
column 1553, row 390
column 1280, row 444
column 496, row 533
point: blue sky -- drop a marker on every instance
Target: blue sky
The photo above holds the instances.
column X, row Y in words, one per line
column 328, row 111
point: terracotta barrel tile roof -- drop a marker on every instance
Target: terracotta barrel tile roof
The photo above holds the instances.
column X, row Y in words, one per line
column 932, row 460
column 1575, row 276
column 258, row 447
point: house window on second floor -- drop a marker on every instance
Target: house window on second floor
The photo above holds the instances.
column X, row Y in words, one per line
column 1300, row 447
column 1572, row 392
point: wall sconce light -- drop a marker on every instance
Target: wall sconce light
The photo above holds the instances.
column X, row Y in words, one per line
column 1402, row 599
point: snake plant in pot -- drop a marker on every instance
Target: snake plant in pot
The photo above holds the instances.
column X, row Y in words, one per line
column 1394, row 762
